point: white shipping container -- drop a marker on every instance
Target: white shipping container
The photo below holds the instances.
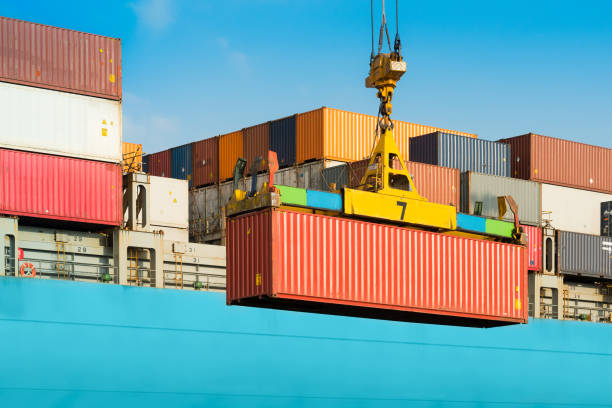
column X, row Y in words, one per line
column 60, row 123
column 169, row 203
column 571, row 209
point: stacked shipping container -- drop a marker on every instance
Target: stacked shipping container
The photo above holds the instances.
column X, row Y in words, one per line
column 61, row 113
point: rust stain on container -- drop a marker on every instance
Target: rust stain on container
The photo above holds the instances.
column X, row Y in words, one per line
column 205, row 155
column 62, row 188
column 561, row 162
column 60, row 59
column 435, row 183
column 160, row 163
column 230, row 149
column 286, row 259
column 256, row 142
column 132, row 157
column 334, row 134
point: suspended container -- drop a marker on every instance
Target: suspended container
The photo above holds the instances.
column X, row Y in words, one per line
column 485, row 188
column 205, row 162
column 333, row 134
column 55, row 58
column 159, row 163
column 181, row 162
column 230, row 149
column 41, row 186
column 256, row 143
column 561, row 162
column 132, row 157
column 299, row 261
column 282, row 140
column 584, row 255
column 51, row 122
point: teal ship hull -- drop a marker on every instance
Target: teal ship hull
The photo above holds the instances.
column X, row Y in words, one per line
column 72, row 344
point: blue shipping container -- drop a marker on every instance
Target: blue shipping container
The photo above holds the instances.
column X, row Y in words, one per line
column 182, row 163
column 463, row 153
column 282, row 140
column 145, row 163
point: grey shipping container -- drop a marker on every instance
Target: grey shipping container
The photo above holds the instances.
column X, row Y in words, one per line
column 282, row 140
column 182, row 163
column 606, row 219
column 584, row 254
column 486, row 188
column 460, row 152
column 338, row 175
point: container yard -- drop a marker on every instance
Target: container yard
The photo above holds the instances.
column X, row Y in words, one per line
column 295, row 255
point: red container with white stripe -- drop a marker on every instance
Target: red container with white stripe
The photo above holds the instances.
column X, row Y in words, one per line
column 309, row 262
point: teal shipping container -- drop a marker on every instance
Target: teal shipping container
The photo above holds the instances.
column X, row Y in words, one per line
column 182, row 163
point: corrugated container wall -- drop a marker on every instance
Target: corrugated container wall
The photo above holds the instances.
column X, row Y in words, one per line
column 256, row 142
column 45, row 121
column 230, row 149
column 534, row 247
column 132, row 157
column 562, row 162
column 334, row 134
column 485, row 188
column 583, row 254
column 327, row 261
column 182, row 162
column 463, row 153
column 169, row 202
column 62, row 188
column 205, row 162
column 56, row 58
column 282, row 140
column 437, row 184
column 159, row 164
column 571, row 209
column 337, row 176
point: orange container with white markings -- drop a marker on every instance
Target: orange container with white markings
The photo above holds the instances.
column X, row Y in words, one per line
column 230, row 149
column 335, row 134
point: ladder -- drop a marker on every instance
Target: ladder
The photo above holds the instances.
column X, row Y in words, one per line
column 566, row 305
column 133, row 275
column 60, row 265
column 178, row 270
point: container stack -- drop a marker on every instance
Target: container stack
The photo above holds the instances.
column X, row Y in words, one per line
column 60, row 114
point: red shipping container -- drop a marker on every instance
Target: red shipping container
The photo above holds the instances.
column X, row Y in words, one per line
column 437, row 184
column 534, row 247
column 160, row 163
column 562, row 162
column 61, row 188
column 56, row 58
column 256, row 142
column 205, row 155
column 302, row 261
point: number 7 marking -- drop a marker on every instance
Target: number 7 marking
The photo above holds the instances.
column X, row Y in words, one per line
column 403, row 205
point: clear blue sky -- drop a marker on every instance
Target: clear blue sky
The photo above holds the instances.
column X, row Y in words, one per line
column 194, row 69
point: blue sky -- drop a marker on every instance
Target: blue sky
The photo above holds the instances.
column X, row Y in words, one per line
column 194, row 69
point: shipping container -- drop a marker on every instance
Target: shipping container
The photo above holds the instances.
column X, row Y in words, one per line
column 132, row 157
column 282, row 140
column 61, row 188
column 181, row 162
column 437, row 184
column 330, row 264
column 56, row 58
column 562, row 162
column 571, row 209
column 256, row 143
column 230, row 149
column 337, row 177
column 159, row 164
column 205, row 162
column 145, row 163
column 584, row 254
column 463, row 153
column 173, row 234
column 334, row 134
column 485, row 188
column 45, row 121
column 169, row 203
column 606, row 219
column 534, row 247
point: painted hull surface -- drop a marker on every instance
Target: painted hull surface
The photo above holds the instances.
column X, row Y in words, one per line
column 76, row 344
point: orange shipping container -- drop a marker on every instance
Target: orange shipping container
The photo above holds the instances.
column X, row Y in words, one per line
column 334, row 134
column 230, row 149
column 132, row 157
column 256, row 142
